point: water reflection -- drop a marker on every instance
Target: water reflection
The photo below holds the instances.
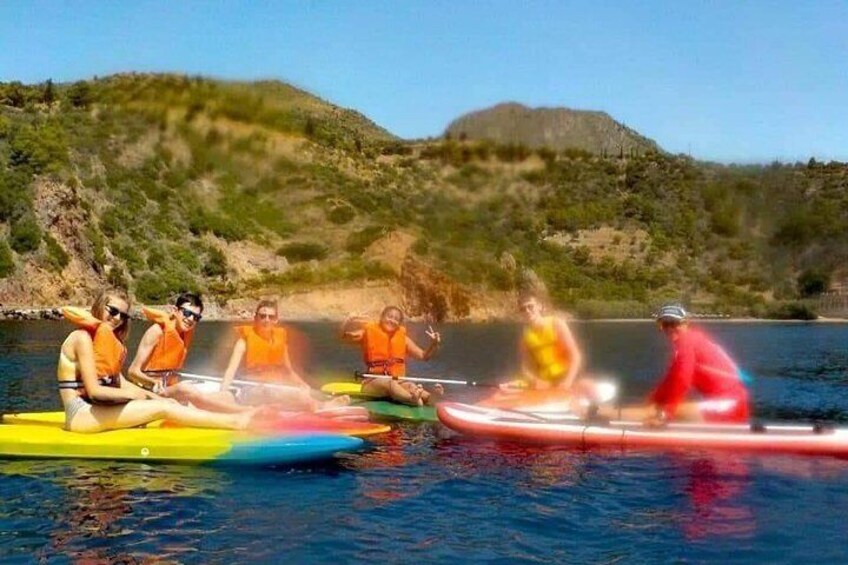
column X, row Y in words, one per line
column 93, row 513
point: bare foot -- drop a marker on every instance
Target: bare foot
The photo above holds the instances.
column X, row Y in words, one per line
column 418, row 396
column 244, row 420
column 336, row 402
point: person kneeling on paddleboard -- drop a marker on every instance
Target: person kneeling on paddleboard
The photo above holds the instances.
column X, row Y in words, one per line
column 95, row 395
column 385, row 345
column 262, row 349
column 163, row 351
column 700, row 364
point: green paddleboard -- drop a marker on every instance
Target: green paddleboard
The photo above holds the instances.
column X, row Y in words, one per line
column 383, row 409
column 387, row 410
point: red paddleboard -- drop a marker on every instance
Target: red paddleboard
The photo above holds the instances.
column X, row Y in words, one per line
column 567, row 429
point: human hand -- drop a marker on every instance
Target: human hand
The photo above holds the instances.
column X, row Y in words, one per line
column 434, row 336
column 654, row 421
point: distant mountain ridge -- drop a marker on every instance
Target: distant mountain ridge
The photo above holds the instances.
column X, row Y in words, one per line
column 555, row 128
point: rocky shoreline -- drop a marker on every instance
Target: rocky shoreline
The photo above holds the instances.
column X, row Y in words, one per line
column 217, row 315
column 31, row 314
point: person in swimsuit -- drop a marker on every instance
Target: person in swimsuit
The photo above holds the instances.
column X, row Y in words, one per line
column 94, row 393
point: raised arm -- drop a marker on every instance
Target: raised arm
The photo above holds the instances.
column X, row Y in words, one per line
column 424, row 354
column 352, row 330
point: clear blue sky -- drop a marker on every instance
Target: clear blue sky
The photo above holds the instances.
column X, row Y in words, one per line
column 727, row 80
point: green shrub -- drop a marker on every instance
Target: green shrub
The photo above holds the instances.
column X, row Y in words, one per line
column 7, row 263
column 80, row 95
column 813, row 282
column 300, row 251
column 98, row 247
column 25, row 235
column 215, row 263
column 38, row 149
column 117, row 278
column 57, row 257
column 358, row 241
column 341, row 214
column 202, row 221
column 421, row 246
column 124, row 248
column 161, row 287
column 790, row 311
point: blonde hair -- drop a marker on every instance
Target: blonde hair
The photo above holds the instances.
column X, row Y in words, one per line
column 98, row 310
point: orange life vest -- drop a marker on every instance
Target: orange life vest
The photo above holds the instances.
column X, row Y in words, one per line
column 384, row 354
column 264, row 357
column 171, row 350
column 109, row 352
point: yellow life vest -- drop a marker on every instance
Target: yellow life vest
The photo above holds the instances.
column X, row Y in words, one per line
column 547, row 353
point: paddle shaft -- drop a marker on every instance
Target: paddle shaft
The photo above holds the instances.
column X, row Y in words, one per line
column 235, row 383
column 424, row 380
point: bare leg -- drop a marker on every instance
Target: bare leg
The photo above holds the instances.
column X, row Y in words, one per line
column 686, row 412
column 138, row 412
column 294, row 399
column 214, row 402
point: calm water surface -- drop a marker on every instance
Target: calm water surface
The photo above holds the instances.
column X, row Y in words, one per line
column 425, row 494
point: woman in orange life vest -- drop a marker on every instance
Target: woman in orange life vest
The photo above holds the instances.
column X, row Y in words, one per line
column 95, row 396
column 385, row 346
column 163, row 350
column 263, row 346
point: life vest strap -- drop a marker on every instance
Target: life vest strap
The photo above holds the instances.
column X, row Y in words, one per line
column 76, row 385
column 387, row 362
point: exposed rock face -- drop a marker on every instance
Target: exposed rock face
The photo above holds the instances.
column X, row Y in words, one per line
column 555, row 128
column 429, row 293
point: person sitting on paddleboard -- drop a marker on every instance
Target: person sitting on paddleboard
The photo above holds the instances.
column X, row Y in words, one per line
column 385, row 345
column 700, row 364
column 550, row 357
column 262, row 350
column 95, row 395
column 163, row 350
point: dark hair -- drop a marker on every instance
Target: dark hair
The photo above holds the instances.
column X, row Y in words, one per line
column 266, row 304
column 189, row 298
column 99, row 306
column 388, row 309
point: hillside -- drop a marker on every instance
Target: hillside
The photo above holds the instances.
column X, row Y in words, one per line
column 162, row 183
column 554, row 128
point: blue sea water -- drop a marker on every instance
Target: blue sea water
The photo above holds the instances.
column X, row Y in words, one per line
column 423, row 493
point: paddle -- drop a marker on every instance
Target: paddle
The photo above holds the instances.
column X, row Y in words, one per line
column 235, row 383
column 361, row 375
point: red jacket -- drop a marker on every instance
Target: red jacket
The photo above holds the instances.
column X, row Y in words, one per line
column 700, row 364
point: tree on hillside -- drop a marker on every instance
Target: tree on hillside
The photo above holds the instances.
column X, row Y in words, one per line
column 48, row 95
column 7, row 264
column 80, row 95
column 813, row 282
column 15, row 95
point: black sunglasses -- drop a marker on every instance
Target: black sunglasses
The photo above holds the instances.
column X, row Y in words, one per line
column 117, row 312
column 191, row 314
